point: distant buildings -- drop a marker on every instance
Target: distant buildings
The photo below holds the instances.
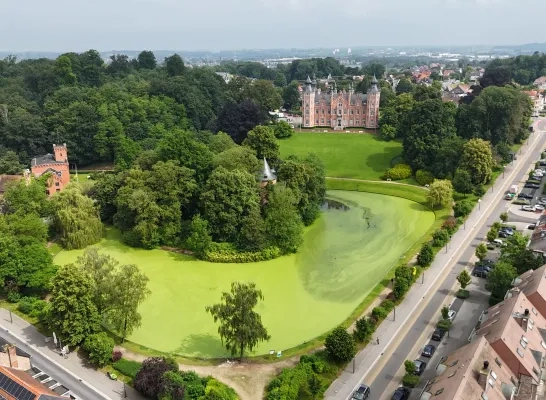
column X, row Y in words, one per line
column 538, row 101
column 56, row 164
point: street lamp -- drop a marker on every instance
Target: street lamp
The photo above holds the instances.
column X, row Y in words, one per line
column 479, row 201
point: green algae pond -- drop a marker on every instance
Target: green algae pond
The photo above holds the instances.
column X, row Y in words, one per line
column 352, row 246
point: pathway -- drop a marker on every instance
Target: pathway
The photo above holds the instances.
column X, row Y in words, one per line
column 372, row 181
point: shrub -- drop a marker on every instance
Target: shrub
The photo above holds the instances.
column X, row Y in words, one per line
column 410, row 380
column 492, row 234
column 148, row 379
column 398, row 172
column 425, row 256
column 288, row 383
column 522, row 202
column 450, row 225
column 479, row 190
column 463, row 294
column 14, row 296
column 444, row 324
column 99, row 348
column 227, row 253
column 127, row 367
column 409, row 367
column 424, row 177
column 116, row 356
column 26, row 304
column 440, row 238
column 340, row 345
column 388, row 305
column 401, row 287
column 379, row 313
column 497, row 225
column 462, row 208
column 364, row 328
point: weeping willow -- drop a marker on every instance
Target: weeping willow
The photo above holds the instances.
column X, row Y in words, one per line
column 77, row 220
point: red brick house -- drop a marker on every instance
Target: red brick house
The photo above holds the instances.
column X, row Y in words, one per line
column 56, row 164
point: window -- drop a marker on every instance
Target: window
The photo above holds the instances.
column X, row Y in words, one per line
column 491, row 382
column 523, row 343
column 323, row 111
column 535, row 371
column 543, row 344
column 307, row 104
column 56, row 183
column 328, row 111
column 322, row 121
column 497, row 313
column 484, row 396
column 316, row 111
column 454, row 363
column 316, row 122
column 520, row 353
column 306, row 111
column 452, row 374
column 439, row 392
column 58, row 190
column 494, row 375
column 534, row 311
column 352, row 112
column 357, row 112
column 345, row 111
column 499, row 363
column 524, row 339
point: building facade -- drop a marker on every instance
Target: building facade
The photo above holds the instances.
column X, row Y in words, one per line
column 340, row 109
column 56, row 164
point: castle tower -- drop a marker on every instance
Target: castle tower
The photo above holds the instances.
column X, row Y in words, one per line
column 60, row 153
column 268, row 175
column 372, row 105
column 308, row 104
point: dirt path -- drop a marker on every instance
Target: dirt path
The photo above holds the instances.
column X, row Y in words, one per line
column 372, row 181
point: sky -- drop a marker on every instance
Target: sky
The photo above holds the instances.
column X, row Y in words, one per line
column 78, row 25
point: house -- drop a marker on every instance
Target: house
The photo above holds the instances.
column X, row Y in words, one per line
column 533, row 285
column 540, row 83
column 537, row 99
column 18, row 385
column 518, row 336
column 55, row 164
column 474, row 371
column 461, row 90
column 447, row 73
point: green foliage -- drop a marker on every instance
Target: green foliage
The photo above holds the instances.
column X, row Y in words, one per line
column 440, row 238
column 445, row 312
column 227, row 253
column 238, row 158
column 240, row 327
column 199, row 240
column 425, row 256
column 444, row 324
column 462, row 208
column 340, row 345
column 283, row 223
column 492, row 234
column 464, row 279
column 99, row 347
column 424, row 177
column 262, row 140
column 440, row 193
column 9, row 163
column 282, row 130
column 221, row 142
column 462, row 181
column 32, row 306
column 481, row 251
column 364, row 328
column 379, row 313
column 462, row 294
column 410, row 380
column 127, row 367
column 398, row 172
column 409, row 366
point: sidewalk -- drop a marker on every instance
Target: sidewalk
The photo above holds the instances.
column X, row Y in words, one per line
column 367, row 358
column 75, row 369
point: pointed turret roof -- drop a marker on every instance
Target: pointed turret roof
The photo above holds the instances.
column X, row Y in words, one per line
column 268, row 175
column 308, row 79
column 374, row 79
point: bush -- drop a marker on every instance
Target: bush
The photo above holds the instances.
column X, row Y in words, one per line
column 379, row 313
column 340, row 345
column 127, row 367
column 13, row 296
column 444, row 324
column 424, row 177
column 479, row 190
column 364, row 328
column 227, row 253
column 288, row 383
column 522, row 202
column 462, row 208
column 450, row 225
column 463, row 294
column 410, row 380
column 425, row 256
column 388, row 305
column 409, row 366
column 116, row 356
column 99, row 348
column 26, row 304
column 440, row 238
column 398, row 172
column 401, row 287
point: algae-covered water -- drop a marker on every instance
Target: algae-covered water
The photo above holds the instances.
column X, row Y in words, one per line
column 358, row 238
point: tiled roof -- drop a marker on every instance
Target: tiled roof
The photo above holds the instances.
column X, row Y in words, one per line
column 33, row 389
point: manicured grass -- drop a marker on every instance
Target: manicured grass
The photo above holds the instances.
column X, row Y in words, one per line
column 345, row 255
column 345, row 155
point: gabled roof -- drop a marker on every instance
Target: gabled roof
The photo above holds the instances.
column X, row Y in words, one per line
column 18, row 385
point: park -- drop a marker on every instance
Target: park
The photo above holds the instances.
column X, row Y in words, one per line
column 346, row 253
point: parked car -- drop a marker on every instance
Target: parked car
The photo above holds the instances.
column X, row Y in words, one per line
column 528, row 208
column 419, row 367
column 362, row 393
column 438, row 335
column 506, row 229
column 402, row 393
column 503, row 234
column 428, row 350
column 451, row 315
column 480, row 272
column 498, row 243
column 531, row 186
column 532, row 227
column 539, row 207
column 508, row 197
column 528, row 196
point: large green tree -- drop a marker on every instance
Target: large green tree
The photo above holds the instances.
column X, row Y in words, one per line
column 477, row 159
column 263, row 141
column 500, row 280
column 440, row 193
column 241, row 327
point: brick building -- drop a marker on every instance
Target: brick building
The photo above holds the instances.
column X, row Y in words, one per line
column 56, row 164
column 340, row 109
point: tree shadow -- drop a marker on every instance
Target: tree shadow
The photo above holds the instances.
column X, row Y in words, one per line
column 380, row 162
column 201, row 345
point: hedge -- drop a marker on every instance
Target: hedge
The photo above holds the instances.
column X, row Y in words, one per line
column 398, row 172
column 227, row 253
column 424, row 177
column 127, row 367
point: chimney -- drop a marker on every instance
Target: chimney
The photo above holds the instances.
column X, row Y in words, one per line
column 11, row 350
column 526, row 312
column 483, row 375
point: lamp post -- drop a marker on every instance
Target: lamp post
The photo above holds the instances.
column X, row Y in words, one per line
column 423, row 278
column 479, row 202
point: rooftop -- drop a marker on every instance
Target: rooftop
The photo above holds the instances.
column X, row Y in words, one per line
column 471, row 371
column 18, row 385
column 530, row 282
column 268, row 174
column 47, row 159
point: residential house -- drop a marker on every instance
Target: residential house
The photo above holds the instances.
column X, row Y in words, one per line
column 540, row 83
column 533, row 285
column 537, row 99
column 55, row 164
column 473, row 372
column 447, row 73
column 18, row 385
column 461, row 90
column 518, row 336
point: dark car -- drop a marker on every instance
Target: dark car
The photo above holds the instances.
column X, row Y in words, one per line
column 419, row 367
column 438, row 334
column 480, row 272
column 509, row 231
column 428, row 350
column 402, row 393
column 362, row 393
column 528, row 196
column 503, row 234
column 531, row 186
column 532, row 227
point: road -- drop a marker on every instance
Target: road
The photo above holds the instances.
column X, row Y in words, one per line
column 419, row 333
column 401, row 335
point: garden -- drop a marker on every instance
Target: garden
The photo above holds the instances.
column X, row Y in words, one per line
column 345, row 254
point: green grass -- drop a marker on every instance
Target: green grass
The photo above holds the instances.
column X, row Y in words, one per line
column 345, row 155
column 345, row 255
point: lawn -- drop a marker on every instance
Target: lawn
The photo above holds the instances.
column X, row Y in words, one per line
column 345, row 155
column 345, row 255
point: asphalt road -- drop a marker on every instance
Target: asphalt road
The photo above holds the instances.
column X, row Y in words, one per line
column 76, row 387
column 383, row 385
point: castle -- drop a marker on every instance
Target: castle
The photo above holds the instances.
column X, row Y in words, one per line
column 56, row 164
column 340, row 109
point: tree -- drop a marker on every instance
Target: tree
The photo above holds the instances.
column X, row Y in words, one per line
column 76, row 219
column 440, row 193
column 148, row 378
column 404, row 86
column 409, row 366
column 240, row 327
column 462, row 182
column 199, row 240
column 9, row 163
column 504, row 217
column 340, row 345
column 500, row 280
column 101, row 268
column 237, row 119
column 221, row 142
column 238, row 158
column 130, row 290
column 280, row 80
column 262, row 140
column 462, row 208
column 284, row 226
column 282, row 130
column 99, row 347
column 516, row 253
column 63, row 71
column 387, row 132
column 445, row 312
column 464, row 279
column 374, row 69
column 425, row 256
column 477, row 159
column 252, row 236
column 71, row 313
column 173, row 386
column 481, row 251
column 291, row 96
column 146, row 60
column 364, row 328
column 315, row 385
column 174, row 65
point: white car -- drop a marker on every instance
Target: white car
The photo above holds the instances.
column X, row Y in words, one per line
column 451, row 315
column 539, row 207
column 528, row 208
column 538, row 172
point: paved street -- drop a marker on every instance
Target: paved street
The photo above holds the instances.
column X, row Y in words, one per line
column 377, row 365
column 73, row 372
